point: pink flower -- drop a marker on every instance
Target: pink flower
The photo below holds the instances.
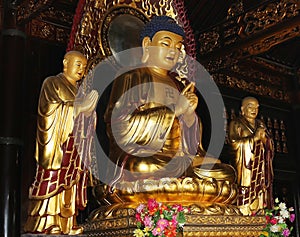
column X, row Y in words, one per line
column 148, row 221
column 140, row 208
column 174, row 220
column 162, row 224
column 157, row 231
column 292, row 217
column 286, row 232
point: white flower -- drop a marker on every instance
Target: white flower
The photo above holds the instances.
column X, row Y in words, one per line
column 284, row 213
column 291, row 209
column 282, row 206
column 280, row 219
column 275, row 228
column 276, row 200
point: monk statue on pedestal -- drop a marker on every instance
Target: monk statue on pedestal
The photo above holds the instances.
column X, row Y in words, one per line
column 253, row 151
column 154, row 132
column 59, row 188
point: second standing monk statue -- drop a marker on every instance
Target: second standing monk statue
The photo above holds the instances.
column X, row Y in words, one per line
column 253, row 151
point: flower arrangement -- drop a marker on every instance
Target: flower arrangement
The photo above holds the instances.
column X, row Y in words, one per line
column 278, row 220
column 157, row 219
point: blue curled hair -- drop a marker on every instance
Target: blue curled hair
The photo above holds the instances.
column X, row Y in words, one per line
column 161, row 23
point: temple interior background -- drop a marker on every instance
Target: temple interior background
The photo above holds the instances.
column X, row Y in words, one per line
column 249, row 47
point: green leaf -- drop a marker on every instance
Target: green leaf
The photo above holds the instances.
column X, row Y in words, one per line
column 139, row 224
column 181, row 218
column 167, row 215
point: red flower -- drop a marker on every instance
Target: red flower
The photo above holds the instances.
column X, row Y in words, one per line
column 152, row 206
column 268, row 218
column 273, row 221
column 138, row 217
column 162, row 208
column 178, row 207
column 170, row 232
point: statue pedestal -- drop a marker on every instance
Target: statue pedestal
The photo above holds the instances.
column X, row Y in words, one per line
column 120, row 222
column 43, row 235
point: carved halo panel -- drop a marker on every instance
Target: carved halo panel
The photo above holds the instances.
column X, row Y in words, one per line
column 120, row 30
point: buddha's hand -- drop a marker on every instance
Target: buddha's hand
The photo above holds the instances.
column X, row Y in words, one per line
column 187, row 101
column 260, row 134
column 192, row 102
column 86, row 105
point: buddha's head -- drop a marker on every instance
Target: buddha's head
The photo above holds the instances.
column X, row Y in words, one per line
column 74, row 66
column 249, row 108
column 162, row 42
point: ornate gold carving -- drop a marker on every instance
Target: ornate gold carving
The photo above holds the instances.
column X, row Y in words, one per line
column 251, row 23
column 106, row 22
column 48, row 31
column 235, row 9
column 209, row 41
column 276, row 68
column 266, row 43
column 98, row 14
column 120, row 220
column 31, row 8
column 248, row 71
column 252, row 87
column 59, row 16
column 269, row 15
column 223, row 62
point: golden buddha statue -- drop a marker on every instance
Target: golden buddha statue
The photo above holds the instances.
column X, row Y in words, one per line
column 155, row 134
column 253, row 151
column 59, row 188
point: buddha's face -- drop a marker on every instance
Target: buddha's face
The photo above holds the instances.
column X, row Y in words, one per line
column 165, row 50
column 74, row 67
column 250, row 109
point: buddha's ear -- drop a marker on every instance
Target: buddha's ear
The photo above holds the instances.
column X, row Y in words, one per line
column 243, row 110
column 145, row 44
column 65, row 63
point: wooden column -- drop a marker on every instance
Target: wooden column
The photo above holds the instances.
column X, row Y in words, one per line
column 11, row 104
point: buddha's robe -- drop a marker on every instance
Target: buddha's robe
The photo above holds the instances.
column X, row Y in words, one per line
column 253, row 162
column 147, row 140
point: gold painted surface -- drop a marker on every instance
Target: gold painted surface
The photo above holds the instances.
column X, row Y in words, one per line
column 189, row 190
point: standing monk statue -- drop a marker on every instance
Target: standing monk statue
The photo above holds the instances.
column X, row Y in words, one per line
column 253, row 150
column 59, row 188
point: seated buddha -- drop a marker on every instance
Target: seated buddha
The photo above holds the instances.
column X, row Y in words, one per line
column 154, row 132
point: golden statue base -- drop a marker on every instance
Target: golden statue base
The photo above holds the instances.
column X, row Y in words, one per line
column 204, row 220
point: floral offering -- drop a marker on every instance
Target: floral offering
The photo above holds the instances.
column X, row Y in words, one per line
column 157, row 219
column 278, row 220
